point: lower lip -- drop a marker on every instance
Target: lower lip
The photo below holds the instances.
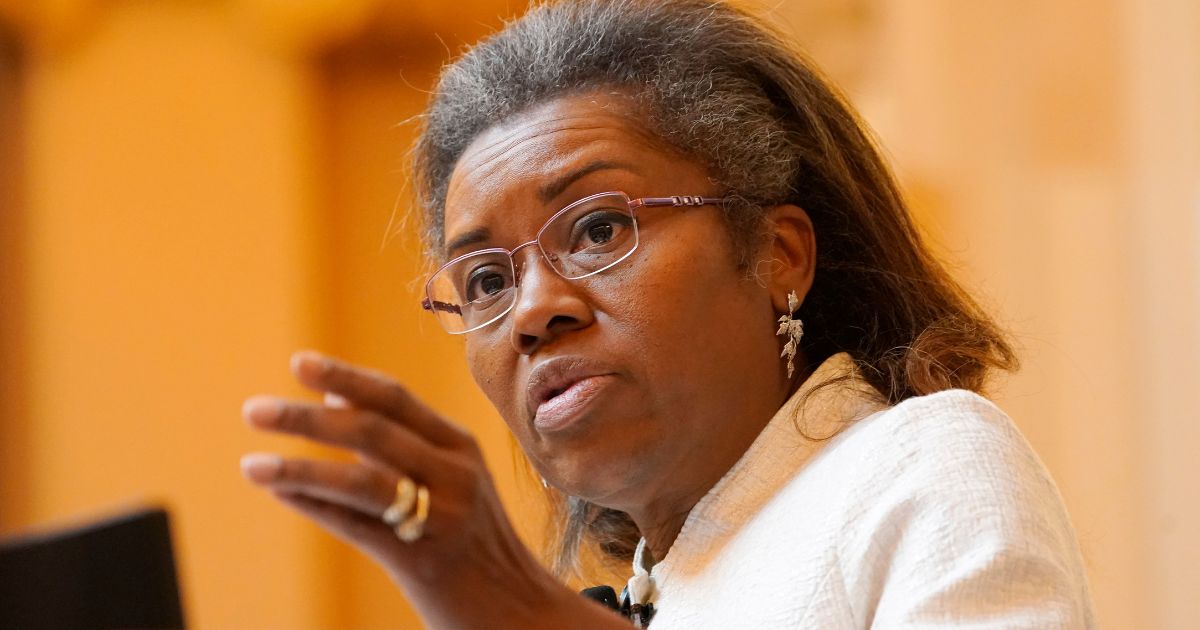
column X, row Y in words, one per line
column 566, row 408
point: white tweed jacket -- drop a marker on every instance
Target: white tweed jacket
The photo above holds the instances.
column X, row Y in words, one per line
column 932, row 513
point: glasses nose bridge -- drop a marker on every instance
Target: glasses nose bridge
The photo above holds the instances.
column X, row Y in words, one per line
column 518, row 248
column 518, row 269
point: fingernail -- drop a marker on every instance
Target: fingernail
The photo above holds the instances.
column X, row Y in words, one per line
column 335, row 401
column 308, row 360
column 261, row 410
column 261, row 466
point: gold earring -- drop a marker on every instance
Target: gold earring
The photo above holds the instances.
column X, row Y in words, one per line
column 791, row 326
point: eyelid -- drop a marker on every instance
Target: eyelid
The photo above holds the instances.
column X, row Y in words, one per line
column 613, row 215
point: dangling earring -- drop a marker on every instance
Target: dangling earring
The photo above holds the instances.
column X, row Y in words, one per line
column 791, row 326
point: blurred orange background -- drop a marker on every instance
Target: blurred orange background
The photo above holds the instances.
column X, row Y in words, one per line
column 191, row 190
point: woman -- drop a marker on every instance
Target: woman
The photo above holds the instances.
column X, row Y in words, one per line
column 689, row 285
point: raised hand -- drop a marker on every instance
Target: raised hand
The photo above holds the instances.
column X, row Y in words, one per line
column 467, row 565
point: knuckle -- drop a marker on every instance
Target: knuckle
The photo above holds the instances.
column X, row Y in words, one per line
column 372, row 432
column 361, row 482
column 396, row 393
column 466, row 475
column 389, row 394
column 358, row 529
column 296, row 470
column 350, row 377
column 470, row 444
column 294, row 419
column 337, row 373
column 458, row 436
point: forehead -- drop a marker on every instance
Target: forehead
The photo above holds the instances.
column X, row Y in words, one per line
column 516, row 164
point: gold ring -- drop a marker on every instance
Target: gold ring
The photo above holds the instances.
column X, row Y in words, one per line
column 402, row 505
column 412, row 529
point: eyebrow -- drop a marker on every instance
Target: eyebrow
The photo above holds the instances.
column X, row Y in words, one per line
column 555, row 187
column 472, row 237
column 546, row 193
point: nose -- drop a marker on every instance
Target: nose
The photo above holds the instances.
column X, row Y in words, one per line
column 547, row 304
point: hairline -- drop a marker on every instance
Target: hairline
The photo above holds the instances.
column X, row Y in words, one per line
column 647, row 108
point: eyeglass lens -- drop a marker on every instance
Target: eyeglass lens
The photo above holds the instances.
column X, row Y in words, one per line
column 584, row 238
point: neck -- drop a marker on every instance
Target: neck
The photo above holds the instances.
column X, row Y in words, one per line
column 661, row 519
column 660, row 526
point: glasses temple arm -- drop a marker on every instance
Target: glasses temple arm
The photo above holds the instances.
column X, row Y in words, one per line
column 441, row 306
column 680, row 200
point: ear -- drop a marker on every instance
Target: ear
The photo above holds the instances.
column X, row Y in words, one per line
column 791, row 250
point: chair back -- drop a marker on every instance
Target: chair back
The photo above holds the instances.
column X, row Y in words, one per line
column 116, row 573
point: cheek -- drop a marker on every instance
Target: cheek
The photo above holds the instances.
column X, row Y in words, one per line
column 491, row 366
column 691, row 311
column 678, row 284
column 628, row 305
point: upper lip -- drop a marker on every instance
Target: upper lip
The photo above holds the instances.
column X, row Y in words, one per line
column 551, row 377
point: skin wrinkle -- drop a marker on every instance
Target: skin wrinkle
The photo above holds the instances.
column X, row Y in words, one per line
column 617, row 101
column 556, row 187
column 547, row 193
column 689, row 338
column 604, row 101
column 525, row 132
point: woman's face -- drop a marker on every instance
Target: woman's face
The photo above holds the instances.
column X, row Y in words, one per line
column 661, row 368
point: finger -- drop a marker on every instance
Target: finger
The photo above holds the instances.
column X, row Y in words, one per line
column 367, row 490
column 366, row 432
column 369, row 534
column 369, row 389
column 334, row 401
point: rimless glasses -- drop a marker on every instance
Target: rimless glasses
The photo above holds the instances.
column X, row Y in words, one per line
column 581, row 240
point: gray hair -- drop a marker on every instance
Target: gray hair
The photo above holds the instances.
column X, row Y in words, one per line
column 724, row 90
column 688, row 63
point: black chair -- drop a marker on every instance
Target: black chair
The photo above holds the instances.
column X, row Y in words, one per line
column 117, row 573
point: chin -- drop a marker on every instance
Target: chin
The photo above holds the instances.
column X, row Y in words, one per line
column 607, row 450
column 602, row 475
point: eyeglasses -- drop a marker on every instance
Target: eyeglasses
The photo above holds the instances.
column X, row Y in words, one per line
column 581, row 240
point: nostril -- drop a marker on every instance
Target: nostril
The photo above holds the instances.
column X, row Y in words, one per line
column 527, row 343
column 560, row 321
column 558, row 324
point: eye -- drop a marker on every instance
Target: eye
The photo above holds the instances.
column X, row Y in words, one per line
column 600, row 230
column 485, row 282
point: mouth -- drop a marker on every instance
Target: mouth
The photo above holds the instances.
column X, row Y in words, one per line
column 560, row 390
column 565, row 406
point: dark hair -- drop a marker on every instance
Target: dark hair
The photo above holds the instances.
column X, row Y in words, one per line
column 722, row 88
